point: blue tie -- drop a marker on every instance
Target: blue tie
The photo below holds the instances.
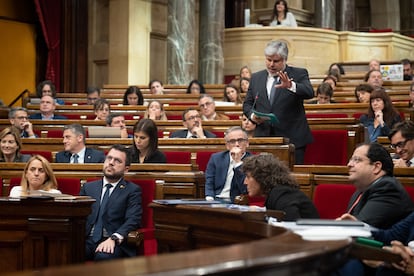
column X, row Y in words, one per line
column 98, row 229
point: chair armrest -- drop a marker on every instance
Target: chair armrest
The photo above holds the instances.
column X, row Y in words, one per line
column 135, row 238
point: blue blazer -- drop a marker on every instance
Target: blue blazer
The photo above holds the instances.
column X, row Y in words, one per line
column 123, row 213
column 38, row 116
column 91, row 156
column 216, row 174
column 183, row 134
column 402, row 231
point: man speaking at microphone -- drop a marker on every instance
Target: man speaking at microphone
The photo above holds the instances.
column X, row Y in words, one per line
column 280, row 89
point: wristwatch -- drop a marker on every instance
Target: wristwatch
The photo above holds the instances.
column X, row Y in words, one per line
column 115, row 238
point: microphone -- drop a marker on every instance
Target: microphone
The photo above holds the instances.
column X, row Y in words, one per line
column 255, row 100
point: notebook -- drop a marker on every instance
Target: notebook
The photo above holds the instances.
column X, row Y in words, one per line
column 104, row 132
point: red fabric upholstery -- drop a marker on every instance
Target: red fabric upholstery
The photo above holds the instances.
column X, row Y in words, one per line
column 219, row 134
column 202, row 159
column 386, row 30
column 410, row 191
column 332, row 200
column 183, row 103
column 257, row 201
column 54, row 133
column 147, row 194
column 175, row 117
column 330, row 147
column 233, row 116
column 326, row 115
column 44, row 153
column 70, row 186
column 178, row 157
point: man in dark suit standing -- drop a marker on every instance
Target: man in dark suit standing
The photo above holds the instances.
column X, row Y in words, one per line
column 224, row 180
column 116, row 212
column 280, row 89
column 75, row 150
column 47, row 110
column 193, row 125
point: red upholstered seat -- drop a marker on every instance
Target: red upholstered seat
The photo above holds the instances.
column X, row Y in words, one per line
column 219, row 134
column 332, row 200
column 330, row 147
column 326, row 115
column 410, row 191
column 178, row 157
column 70, row 186
column 175, row 117
column 44, row 153
column 202, row 159
column 149, row 244
column 54, row 133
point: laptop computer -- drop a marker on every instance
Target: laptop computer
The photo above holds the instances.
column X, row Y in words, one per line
column 104, row 132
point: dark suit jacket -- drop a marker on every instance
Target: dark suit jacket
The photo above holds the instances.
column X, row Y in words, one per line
column 38, row 116
column 402, row 231
column 292, row 201
column 183, row 134
column 91, row 156
column 156, row 157
column 384, row 203
column 287, row 106
column 216, row 174
column 123, row 212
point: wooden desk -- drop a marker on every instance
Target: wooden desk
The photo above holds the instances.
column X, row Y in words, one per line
column 40, row 233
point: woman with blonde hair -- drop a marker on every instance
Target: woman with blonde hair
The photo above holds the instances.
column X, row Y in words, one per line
column 37, row 176
column 10, row 146
column 155, row 111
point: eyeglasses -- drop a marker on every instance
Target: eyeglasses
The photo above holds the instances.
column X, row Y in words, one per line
column 356, row 159
column 234, row 141
column 399, row 144
column 117, row 161
column 22, row 118
column 206, row 104
column 191, row 118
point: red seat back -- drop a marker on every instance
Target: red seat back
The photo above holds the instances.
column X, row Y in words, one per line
column 202, row 159
column 70, row 186
column 410, row 191
column 330, row 147
column 178, row 157
column 54, row 133
column 44, row 153
column 219, row 134
column 331, row 200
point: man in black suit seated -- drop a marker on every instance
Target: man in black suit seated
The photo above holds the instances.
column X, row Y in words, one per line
column 47, row 110
column 193, row 125
column 116, row 212
column 75, row 150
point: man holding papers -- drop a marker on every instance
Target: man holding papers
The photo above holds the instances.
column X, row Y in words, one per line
column 280, row 90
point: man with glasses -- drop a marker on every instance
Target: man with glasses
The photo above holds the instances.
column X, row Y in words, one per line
column 208, row 109
column 224, row 180
column 193, row 125
column 19, row 118
column 117, row 210
column 402, row 142
column 92, row 95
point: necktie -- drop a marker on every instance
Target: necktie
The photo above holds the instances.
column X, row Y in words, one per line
column 408, row 163
column 273, row 90
column 97, row 232
column 355, row 203
column 75, row 158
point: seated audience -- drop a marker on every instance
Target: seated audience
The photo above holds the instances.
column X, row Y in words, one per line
column 75, row 150
column 92, row 95
column 244, row 85
column 379, row 200
column 48, row 88
column 324, row 94
column 133, row 96
column 145, row 143
column 11, row 145
column 336, row 67
column 47, row 110
column 268, row 176
column 208, row 109
column 374, row 78
column 408, row 71
column 37, row 176
column 381, row 115
column 245, row 72
column 402, row 142
column 281, row 15
column 196, row 87
column 411, row 95
column 232, row 94
column 156, row 87
column 194, row 128
column 19, row 118
column 363, row 92
column 331, row 79
column 102, row 109
column 116, row 212
column 222, row 182
column 155, row 111
column 248, row 126
column 374, row 64
column 118, row 120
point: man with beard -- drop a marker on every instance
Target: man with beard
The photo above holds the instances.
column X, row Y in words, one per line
column 194, row 128
column 117, row 209
column 402, row 142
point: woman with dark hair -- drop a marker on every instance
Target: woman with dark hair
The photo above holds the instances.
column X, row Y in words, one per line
column 196, row 87
column 48, row 88
column 381, row 115
column 363, row 92
column 145, row 143
column 10, row 146
column 336, row 67
column 232, row 94
column 268, row 176
column 281, row 15
column 244, row 85
column 133, row 96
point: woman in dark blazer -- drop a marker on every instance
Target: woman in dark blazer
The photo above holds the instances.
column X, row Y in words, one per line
column 11, row 145
column 145, row 143
column 268, row 176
